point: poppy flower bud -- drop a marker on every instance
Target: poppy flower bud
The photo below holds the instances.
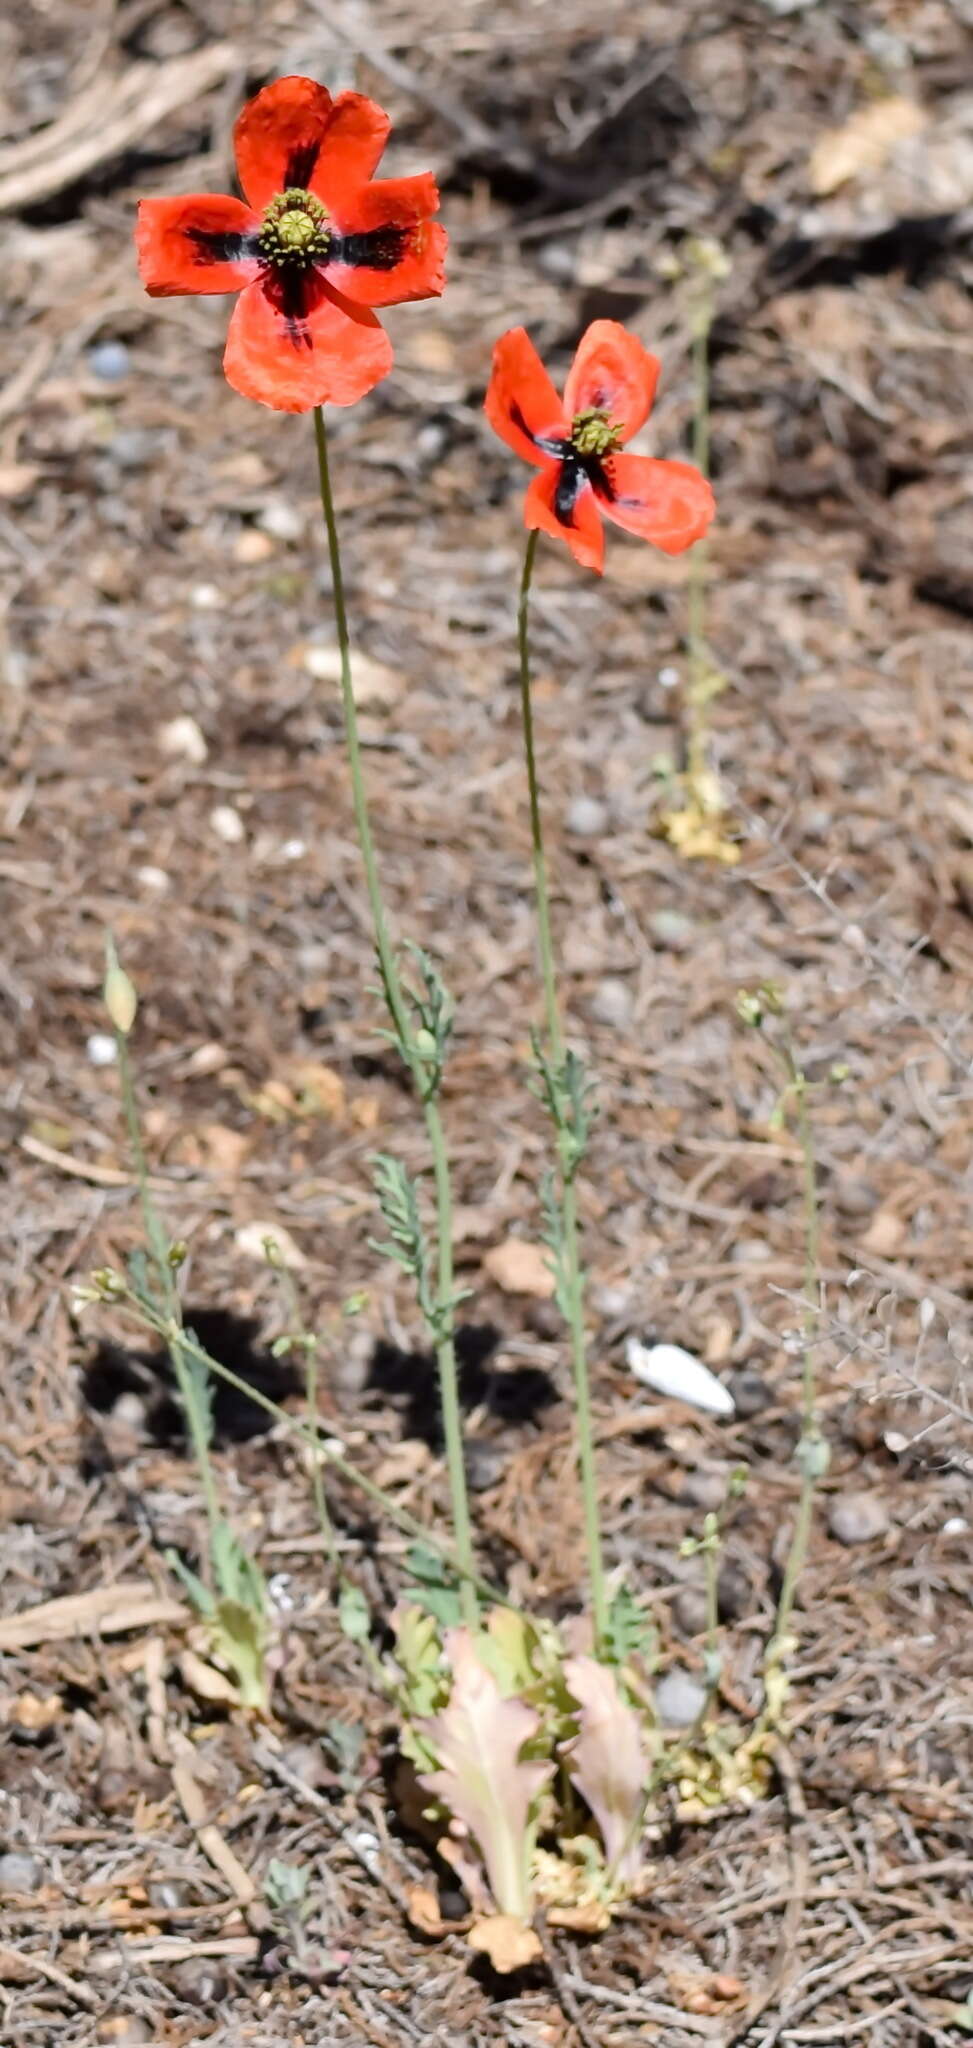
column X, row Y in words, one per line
column 121, row 1001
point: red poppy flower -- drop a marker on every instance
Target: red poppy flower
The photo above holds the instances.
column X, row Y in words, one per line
column 313, row 247
column 575, row 444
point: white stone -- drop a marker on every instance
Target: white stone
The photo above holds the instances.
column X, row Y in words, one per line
column 587, row 817
column 154, row 879
column 227, row 824
column 281, row 520
column 183, row 739
column 612, row 1002
column 101, row 1049
column 679, row 1699
column 671, row 1370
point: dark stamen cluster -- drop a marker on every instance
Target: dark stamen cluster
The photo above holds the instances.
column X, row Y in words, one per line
column 294, row 232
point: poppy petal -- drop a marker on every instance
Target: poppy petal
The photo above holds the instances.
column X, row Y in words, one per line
column 667, row 503
column 521, row 404
column 560, row 501
column 296, row 343
column 614, row 374
column 279, row 136
column 203, row 243
column 388, row 248
column 351, row 148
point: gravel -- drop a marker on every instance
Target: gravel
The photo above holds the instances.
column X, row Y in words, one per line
column 858, row 1517
column 679, row 1699
column 587, row 817
column 20, row 1872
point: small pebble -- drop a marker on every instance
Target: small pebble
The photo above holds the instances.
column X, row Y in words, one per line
column 750, row 1392
column 133, row 448
column 485, row 1465
column 587, row 817
column 205, row 597
column 251, row 546
column 227, row 824
column 281, row 521
column 168, row 1892
column 689, row 1608
column 956, row 1526
column 854, row 1197
column 200, row 1981
column 558, row 260
column 431, row 440
column 154, row 879
column 20, row 1872
column 350, row 1369
column 109, row 360
column 672, row 929
column 612, row 1002
column 668, row 677
column 183, row 739
column 308, row 1762
column 612, row 1302
column 702, row 1489
column 857, row 1517
column 734, row 1593
column 750, row 1251
column 679, row 1699
column 101, row 1049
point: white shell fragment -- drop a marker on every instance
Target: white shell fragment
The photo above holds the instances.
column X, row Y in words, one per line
column 673, row 1371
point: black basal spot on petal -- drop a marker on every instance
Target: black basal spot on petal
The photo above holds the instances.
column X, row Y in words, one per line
column 571, row 477
column 548, row 447
column 601, row 477
column 213, row 245
column 300, row 166
column 294, row 295
column 377, row 249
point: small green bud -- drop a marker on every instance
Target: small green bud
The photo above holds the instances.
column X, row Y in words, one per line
column 839, row 1072
column 281, row 1347
column 707, row 257
column 108, row 1284
column 355, row 1304
column 749, row 1008
column 272, row 1253
column 426, row 1046
column 177, row 1253
column 812, row 1456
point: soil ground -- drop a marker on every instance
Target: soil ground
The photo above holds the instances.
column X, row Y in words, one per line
column 162, row 560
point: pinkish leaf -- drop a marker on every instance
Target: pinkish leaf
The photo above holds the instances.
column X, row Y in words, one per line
column 608, row 1762
column 483, row 1780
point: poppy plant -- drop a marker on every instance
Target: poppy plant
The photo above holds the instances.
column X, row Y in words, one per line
column 575, row 445
column 314, row 246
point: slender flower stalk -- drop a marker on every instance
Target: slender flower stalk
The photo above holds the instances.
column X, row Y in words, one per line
column 120, row 1002
column 572, row 1292
column 812, row 1454
column 700, row 666
column 416, row 1057
column 812, row 1450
